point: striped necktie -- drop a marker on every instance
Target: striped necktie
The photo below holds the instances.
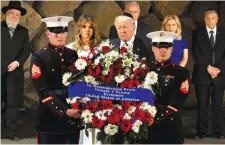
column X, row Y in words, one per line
column 11, row 31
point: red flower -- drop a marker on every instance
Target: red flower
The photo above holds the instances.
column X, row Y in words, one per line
column 87, row 106
column 137, row 104
column 127, row 84
column 139, row 72
column 72, row 68
column 105, row 49
column 125, row 105
column 76, row 105
column 126, row 125
column 97, row 69
column 96, row 123
column 91, row 71
column 103, row 78
column 107, row 104
column 123, row 50
column 149, row 118
column 114, row 118
column 94, row 106
column 137, row 83
column 138, row 115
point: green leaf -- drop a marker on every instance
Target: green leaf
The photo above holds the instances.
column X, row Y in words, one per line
column 131, row 135
column 86, row 132
column 144, row 131
column 101, row 136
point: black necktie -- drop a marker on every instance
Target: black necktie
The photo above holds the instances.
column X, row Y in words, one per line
column 11, row 30
column 212, row 46
column 125, row 44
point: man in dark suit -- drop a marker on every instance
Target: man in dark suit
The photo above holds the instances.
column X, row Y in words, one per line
column 209, row 72
column 141, row 29
column 15, row 50
column 125, row 29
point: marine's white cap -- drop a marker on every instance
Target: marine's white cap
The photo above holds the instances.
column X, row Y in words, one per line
column 162, row 39
column 57, row 21
column 162, row 36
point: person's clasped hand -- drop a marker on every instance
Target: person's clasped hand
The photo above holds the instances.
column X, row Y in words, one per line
column 12, row 66
column 213, row 71
column 73, row 113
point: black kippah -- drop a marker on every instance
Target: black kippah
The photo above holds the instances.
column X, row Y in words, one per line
column 58, row 29
column 127, row 14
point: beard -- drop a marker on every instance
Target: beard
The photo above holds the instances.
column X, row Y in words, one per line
column 11, row 23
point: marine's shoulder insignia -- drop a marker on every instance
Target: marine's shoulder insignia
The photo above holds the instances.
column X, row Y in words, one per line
column 35, row 71
column 184, row 87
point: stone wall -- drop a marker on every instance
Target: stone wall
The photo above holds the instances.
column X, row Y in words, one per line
column 152, row 13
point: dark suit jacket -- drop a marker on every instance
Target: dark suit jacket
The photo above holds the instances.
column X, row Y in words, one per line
column 202, row 54
column 138, row 48
column 13, row 49
column 142, row 31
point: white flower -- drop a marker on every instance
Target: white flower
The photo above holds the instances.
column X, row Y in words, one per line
column 111, row 129
column 119, row 79
column 105, row 71
column 74, row 100
column 68, row 100
column 136, row 126
column 136, row 65
column 127, row 62
column 118, row 106
column 85, row 99
column 65, row 78
column 87, row 116
column 113, row 54
column 151, row 78
column 143, row 65
column 100, row 115
column 152, row 110
column 107, row 64
column 91, row 56
column 144, row 106
column 147, row 86
column 127, row 116
column 89, row 79
column 131, row 109
column 80, row 64
column 97, row 60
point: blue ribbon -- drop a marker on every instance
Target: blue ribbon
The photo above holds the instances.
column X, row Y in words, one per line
column 82, row 89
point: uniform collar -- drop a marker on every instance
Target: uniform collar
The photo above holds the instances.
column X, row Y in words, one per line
column 56, row 49
column 162, row 64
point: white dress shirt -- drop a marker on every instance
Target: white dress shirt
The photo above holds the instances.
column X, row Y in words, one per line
column 130, row 42
column 214, row 34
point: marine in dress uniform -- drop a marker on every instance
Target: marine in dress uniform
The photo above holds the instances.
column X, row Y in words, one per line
column 172, row 91
column 48, row 65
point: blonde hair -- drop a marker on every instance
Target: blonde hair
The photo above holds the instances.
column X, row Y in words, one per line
column 176, row 19
column 95, row 38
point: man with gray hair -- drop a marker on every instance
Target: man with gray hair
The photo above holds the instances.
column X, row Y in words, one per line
column 125, row 29
column 208, row 50
column 141, row 29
